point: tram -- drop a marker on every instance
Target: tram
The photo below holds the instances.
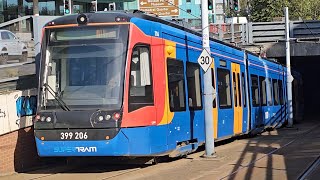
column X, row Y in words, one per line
column 128, row 84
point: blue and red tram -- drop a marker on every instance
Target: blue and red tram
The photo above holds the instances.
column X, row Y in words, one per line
column 128, row 84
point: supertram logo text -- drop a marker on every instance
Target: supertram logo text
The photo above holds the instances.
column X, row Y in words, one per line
column 74, row 149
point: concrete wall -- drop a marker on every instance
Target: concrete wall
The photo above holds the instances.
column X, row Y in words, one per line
column 17, row 148
column 298, row 49
column 9, row 119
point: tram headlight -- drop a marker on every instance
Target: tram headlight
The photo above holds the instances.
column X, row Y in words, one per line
column 43, row 118
column 107, row 117
column 100, row 118
column 118, row 19
column 48, row 119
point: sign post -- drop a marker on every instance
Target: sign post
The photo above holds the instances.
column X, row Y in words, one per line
column 289, row 76
column 160, row 7
column 205, row 61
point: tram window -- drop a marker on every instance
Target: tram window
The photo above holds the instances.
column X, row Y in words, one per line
column 224, row 88
column 263, row 94
column 269, row 91
column 255, row 90
column 176, row 85
column 239, row 89
column 275, row 92
column 235, row 92
column 281, row 92
column 194, row 86
column 141, row 90
column 243, row 91
column 214, row 103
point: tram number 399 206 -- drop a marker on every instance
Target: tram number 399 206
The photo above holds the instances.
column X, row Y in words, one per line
column 73, row 135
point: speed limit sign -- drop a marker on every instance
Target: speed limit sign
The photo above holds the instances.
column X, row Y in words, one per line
column 205, row 60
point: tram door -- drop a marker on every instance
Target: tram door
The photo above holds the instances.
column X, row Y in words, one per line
column 237, row 105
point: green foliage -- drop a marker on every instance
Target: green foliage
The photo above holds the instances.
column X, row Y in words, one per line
column 306, row 9
column 268, row 10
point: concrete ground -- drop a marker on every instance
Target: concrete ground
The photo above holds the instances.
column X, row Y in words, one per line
column 280, row 154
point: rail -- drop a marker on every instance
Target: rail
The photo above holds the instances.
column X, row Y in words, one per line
column 14, row 21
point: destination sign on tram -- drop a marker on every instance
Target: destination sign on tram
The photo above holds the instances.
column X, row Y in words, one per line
column 160, row 7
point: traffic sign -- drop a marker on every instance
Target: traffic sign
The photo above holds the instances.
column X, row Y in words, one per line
column 160, row 7
column 205, row 60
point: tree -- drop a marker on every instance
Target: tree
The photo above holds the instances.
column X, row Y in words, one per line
column 307, row 9
column 266, row 10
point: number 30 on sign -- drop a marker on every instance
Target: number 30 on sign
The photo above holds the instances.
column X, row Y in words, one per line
column 205, row 60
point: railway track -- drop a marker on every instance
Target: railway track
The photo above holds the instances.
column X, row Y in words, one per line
column 109, row 170
column 308, row 171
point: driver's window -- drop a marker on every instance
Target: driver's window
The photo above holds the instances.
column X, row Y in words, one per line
column 141, row 90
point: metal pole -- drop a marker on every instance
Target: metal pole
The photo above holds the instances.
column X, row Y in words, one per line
column 71, row 6
column 214, row 11
column 208, row 89
column 289, row 76
column 96, row 5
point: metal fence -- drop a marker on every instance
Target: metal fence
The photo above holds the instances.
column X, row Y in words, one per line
column 265, row 32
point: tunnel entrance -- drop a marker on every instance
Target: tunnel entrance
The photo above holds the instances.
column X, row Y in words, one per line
column 309, row 67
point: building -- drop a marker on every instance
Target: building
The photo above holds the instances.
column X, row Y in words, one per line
column 12, row 9
column 188, row 11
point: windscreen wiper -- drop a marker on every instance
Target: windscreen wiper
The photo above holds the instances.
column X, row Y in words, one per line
column 62, row 104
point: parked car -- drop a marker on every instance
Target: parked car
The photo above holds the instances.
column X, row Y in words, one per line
column 11, row 47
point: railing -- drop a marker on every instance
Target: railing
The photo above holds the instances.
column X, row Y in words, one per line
column 231, row 33
column 265, row 32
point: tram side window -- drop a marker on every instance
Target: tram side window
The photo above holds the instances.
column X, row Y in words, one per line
column 141, row 90
column 263, row 94
column 244, row 94
column 255, row 90
column 214, row 103
column 235, row 92
column 269, row 91
column 275, row 92
column 239, row 89
column 176, row 85
column 281, row 92
column 224, row 88
column 194, row 86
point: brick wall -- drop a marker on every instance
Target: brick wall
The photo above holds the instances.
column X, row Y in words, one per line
column 18, row 151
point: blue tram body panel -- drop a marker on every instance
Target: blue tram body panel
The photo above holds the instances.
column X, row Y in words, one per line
column 269, row 114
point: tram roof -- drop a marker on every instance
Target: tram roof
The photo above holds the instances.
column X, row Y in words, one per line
column 97, row 17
